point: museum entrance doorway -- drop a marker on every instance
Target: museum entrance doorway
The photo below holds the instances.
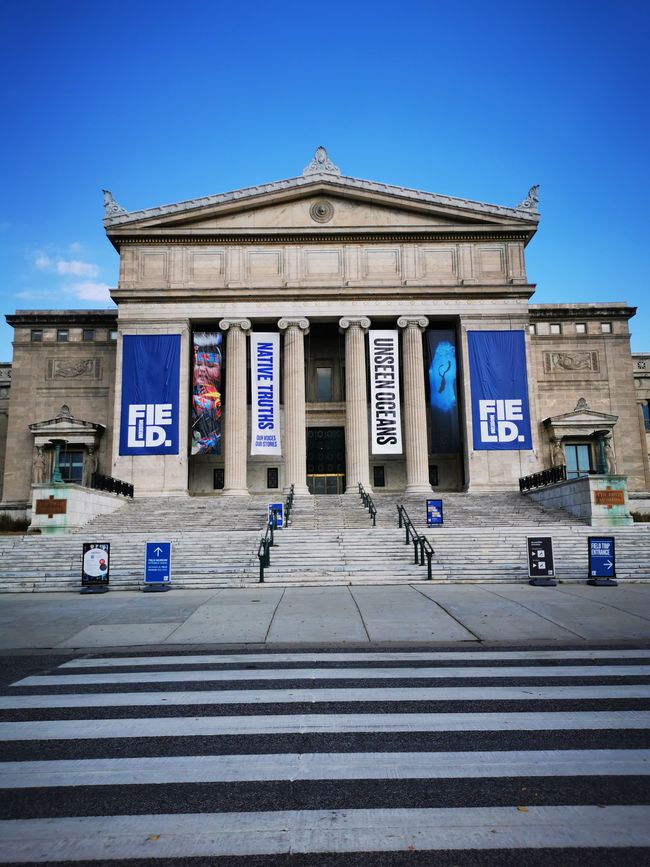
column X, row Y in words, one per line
column 325, row 460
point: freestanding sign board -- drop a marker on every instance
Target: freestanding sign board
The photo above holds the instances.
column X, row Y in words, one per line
column 278, row 508
column 602, row 561
column 95, row 567
column 541, row 568
column 157, row 565
column 434, row 513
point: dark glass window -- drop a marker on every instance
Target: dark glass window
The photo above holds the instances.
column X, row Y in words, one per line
column 88, row 334
column 62, row 335
column 378, row 477
column 37, row 335
column 433, row 475
column 218, row 479
column 646, row 414
column 71, row 464
column 272, row 477
column 578, row 460
column 323, row 384
column 112, row 334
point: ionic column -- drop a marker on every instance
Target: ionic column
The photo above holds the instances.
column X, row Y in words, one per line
column 357, row 458
column 295, row 436
column 235, row 408
column 415, row 419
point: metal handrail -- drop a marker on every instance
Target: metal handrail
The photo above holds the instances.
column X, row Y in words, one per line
column 113, row 486
column 544, row 477
column 288, row 506
column 421, row 546
column 266, row 543
column 368, row 504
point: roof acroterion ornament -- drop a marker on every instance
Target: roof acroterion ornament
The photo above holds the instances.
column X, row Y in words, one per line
column 321, row 164
column 531, row 202
column 111, row 207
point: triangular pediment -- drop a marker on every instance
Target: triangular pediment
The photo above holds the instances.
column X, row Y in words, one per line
column 320, row 203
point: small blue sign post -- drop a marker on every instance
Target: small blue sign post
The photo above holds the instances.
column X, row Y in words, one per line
column 157, row 566
column 434, row 513
column 602, row 561
column 278, row 509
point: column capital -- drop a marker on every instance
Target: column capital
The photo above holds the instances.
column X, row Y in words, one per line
column 301, row 323
column 419, row 322
column 244, row 324
column 351, row 321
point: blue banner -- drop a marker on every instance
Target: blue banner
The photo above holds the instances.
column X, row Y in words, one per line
column 602, row 557
column 157, row 562
column 443, row 396
column 497, row 367
column 150, row 394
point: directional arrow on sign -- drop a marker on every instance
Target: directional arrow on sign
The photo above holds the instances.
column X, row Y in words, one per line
column 609, row 564
column 157, row 551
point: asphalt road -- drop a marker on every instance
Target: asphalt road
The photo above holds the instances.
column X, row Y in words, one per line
column 374, row 756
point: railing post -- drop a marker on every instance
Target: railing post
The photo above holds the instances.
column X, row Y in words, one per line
column 428, row 565
column 399, row 517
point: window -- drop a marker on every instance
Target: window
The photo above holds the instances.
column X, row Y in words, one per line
column 323, row 384
column 218, row 478
column 581, row 327
column 88, row 334
column 532, row 329
column 555, row 328
column 112, row 334
column 378, row 477
column 62, row 335
column 272, row 477
column 71, row 464
column 433, row 475
column 37, row 335
column 578, row 460
column 645, row 406
column 606, row 327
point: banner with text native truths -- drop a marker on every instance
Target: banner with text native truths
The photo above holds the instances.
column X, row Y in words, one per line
column 150, row 394
column 384, row 391
column 499, row 384
column 265, row 393
column 206, row 393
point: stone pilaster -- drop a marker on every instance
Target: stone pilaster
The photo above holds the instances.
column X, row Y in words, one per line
column 415, row 419
column 235, row 407
column 295, row 436
column 357, row 457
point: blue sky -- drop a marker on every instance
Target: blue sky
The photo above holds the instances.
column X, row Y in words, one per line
column 161, row 101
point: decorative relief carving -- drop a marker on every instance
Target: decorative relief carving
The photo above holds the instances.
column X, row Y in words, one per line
column 74, row 368
column 531, row 202
column 640, row 365
column 111, row 207
column 5, row 374
column 321, row 211
column 321, row 164
column 560, row 362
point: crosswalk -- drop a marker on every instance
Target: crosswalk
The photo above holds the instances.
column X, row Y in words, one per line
column 370, row 757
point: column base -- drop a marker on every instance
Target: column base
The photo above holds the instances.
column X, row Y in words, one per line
column 418, row 489
column 234, row 492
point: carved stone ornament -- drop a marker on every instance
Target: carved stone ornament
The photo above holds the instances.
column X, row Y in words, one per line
column 5, row 373
column 65, row 412
column 560, row 362
column 79, row 368
column 322, row 211
column 321, row 164
column 581, row 405
column 531, row 202
column 111, row 207
column 361, row 322
column 420, row 322
column 640, row 365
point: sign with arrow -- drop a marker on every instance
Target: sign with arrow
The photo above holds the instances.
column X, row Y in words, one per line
column 157, row 565
column 602, row 561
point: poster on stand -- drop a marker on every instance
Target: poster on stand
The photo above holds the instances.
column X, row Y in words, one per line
column 499, row 386
column 265, row 393
column 386, row 422
column 206, row 393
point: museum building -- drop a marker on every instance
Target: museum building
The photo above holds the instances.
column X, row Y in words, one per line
column 321, row 331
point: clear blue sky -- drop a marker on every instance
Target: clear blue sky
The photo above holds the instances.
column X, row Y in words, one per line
column 163, row 101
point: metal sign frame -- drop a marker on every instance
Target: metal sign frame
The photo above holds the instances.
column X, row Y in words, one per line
column 541, row 563
column 95, row 567
column 600, row 574
column 155, row 563
column 434, row 520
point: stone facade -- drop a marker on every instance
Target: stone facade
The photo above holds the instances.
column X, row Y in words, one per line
column 320, row 259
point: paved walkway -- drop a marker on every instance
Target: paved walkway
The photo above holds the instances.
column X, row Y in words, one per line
column 419, row 614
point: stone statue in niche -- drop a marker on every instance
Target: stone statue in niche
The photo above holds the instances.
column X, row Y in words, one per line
column 91, row 464
column 610, row 457
column 557, row 452
column 38, row 467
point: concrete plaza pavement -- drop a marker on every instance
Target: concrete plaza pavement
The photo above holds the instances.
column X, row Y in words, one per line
column 267, row 615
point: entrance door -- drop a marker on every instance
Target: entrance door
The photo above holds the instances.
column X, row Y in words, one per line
column 326, row 460
column 578, row 460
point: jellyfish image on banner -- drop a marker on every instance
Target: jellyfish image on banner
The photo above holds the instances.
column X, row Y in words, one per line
column 206, row 394
column 443, row 398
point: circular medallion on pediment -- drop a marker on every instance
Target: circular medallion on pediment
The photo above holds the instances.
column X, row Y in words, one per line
column 321, row 211
column 640, row 365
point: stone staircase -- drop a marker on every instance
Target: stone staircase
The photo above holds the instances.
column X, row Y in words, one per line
column 330, row 540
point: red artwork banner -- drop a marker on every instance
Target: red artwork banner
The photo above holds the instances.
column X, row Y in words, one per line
column 206, row 393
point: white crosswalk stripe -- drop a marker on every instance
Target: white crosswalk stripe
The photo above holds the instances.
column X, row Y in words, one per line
column 502, row 751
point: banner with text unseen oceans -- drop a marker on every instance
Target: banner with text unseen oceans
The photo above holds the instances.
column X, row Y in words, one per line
column 265, row 393
column 499, row 384
column 384, row 391
column 150, row 394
